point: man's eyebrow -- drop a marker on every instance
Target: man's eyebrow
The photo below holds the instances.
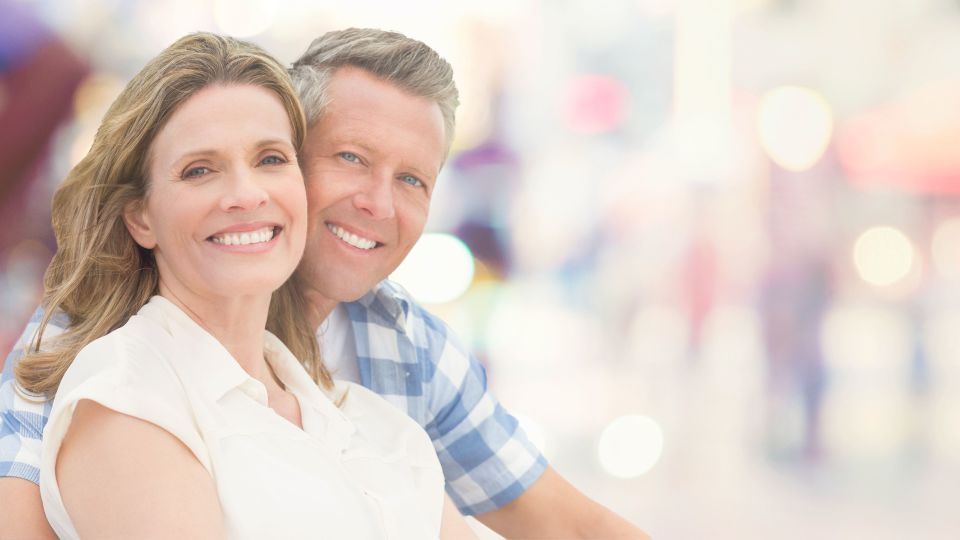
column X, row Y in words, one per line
column 349, row 140
column 422, row 173
column 366, row 148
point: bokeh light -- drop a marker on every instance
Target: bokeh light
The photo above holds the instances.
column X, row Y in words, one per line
column 630, row 446
column 795, row 126
column 883, row 256
column 597, row 104
column 438, row 269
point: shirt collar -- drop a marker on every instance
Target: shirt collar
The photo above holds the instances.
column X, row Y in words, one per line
column 199, row 358
column 291, row 372
column 331, row 424
column 390, row 302
column 196, row 355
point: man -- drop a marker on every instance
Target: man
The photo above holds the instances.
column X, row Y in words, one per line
column 380, row 110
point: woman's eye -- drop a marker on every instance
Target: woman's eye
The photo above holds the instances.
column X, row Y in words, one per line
column 350, row 156
column 412, row 180
column 272, row 160
column 195, row 172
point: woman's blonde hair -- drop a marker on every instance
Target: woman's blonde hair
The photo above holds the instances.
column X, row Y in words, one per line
column 99, row 276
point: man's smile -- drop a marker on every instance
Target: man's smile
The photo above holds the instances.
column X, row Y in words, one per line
column 350, row 238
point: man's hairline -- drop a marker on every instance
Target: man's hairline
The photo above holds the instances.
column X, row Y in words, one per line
column 333, row 70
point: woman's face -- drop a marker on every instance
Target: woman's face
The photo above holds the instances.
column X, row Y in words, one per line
column 225, row 213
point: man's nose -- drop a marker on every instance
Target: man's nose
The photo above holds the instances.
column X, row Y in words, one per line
column 243, row 193
column 375, row 196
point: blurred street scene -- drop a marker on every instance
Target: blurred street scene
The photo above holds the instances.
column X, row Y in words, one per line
column 708, row 250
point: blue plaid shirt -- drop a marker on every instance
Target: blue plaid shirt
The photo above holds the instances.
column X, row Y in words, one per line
column 406, row 355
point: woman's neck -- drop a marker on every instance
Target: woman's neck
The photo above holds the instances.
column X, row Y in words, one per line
column 236, row 322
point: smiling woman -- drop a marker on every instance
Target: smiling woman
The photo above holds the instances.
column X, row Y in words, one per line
column 226, row 215
column 100, row 276
column 176, row 413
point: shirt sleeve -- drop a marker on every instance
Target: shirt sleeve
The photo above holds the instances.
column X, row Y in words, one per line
column 487, row 459
column 128, row 377
column 22, row 418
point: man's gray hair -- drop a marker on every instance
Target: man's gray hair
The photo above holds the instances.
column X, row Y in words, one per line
column 391, row 56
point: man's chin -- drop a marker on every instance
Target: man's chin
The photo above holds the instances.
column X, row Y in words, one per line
column 340, row 293
column 335, row 284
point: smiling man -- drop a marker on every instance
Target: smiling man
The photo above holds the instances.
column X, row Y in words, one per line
column 380, row 108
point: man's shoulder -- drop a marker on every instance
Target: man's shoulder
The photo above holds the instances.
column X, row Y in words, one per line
column 58, row 322
column 389, row 309
column 389, row 304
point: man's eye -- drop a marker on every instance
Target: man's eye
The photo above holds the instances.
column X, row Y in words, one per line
column 195, row 172
column 350, row 156
column 412, row 180
column 272, row 160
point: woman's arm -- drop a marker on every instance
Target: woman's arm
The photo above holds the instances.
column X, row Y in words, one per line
column 453, row 526
column 122, row 477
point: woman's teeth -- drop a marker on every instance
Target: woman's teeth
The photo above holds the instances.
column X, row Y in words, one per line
column 351, row 238
column 245, row 238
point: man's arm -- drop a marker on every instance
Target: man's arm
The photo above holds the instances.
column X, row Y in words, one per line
column 493, row 471
column 21, row 426
column 553, row 508
column 21, row 503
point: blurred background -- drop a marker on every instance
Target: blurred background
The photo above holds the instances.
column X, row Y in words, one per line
column 708, row 250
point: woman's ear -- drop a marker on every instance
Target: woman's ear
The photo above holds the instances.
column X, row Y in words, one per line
column 138, row 224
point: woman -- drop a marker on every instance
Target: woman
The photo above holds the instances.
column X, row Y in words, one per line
column 180, row 415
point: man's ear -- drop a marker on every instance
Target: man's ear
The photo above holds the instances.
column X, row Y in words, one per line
column 138, row 224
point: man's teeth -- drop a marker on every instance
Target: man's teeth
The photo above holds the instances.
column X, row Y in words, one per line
column 351, row 238
column 245, row 238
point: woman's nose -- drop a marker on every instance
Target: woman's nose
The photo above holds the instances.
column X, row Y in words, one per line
column 243, row 193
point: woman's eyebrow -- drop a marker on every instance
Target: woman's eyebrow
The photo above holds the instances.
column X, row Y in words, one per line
column 274, row 142
column 203, row 152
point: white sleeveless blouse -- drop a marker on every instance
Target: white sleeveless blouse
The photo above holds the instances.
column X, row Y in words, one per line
column 364, row 470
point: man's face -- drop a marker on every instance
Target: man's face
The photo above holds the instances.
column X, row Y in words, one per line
column 370, row 163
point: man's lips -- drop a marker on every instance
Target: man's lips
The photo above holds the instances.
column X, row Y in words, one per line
column 354, row 240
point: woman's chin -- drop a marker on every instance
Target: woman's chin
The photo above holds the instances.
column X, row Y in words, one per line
column 253, row 287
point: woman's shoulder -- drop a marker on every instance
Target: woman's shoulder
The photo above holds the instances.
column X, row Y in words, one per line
column 131, row 356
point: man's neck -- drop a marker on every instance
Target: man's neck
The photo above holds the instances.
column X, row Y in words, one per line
column 320, row 307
